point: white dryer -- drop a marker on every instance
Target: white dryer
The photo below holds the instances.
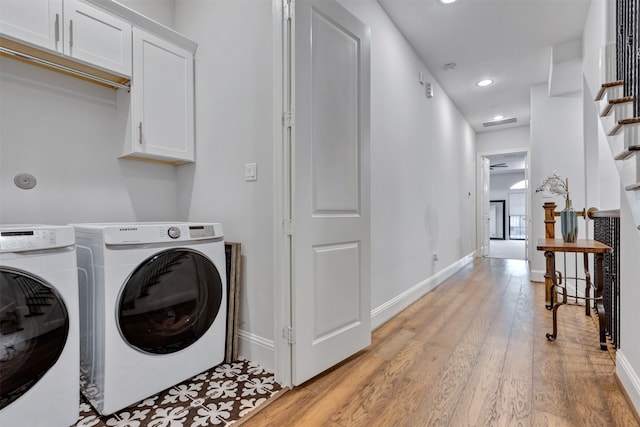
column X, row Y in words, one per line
column 39, row 342
column 152, row 307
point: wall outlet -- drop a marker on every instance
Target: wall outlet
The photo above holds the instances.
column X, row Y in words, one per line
column 435, row 257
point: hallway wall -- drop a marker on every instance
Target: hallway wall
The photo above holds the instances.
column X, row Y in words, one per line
column 556, row 145
column 420, row 204
column 599, row 30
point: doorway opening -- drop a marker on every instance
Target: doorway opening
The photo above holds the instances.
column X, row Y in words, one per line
column 503, row 200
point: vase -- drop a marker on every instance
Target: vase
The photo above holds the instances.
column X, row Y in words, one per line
column 569, row 223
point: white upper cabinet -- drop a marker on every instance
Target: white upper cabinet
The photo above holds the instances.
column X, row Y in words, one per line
column 162, row 100
column 72, row 28
column 37, row 22
column 97, row 37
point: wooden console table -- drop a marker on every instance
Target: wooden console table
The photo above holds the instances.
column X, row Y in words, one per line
column 586, row 247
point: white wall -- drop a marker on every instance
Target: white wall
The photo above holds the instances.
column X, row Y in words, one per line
column 161, row 11
column 556, row 145
column 420, row 203
column 599, row 30
column 64, row 132
column 628, row 356
column 234, row 126
column 501, row 184
column 504, row 140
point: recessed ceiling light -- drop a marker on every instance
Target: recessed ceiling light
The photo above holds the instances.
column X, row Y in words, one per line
column 485, row 82
column 447, row 1
column 498, row 117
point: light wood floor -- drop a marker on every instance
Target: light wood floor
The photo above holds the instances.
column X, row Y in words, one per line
column 471, row 352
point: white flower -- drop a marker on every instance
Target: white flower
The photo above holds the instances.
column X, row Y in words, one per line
column 554, row 185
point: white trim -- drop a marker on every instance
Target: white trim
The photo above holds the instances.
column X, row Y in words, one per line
column 389, row 309
column 537, row 275
column 257, row 349
column 138, row 20
column 629, row 379
column 479, row 192
column 282, row 361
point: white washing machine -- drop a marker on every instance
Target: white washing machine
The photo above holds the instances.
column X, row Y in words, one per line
column 152, row 307
column 39, row 342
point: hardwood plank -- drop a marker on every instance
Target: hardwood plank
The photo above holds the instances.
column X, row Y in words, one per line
column 472, row 352
column 515, row 403
column 401, row 406
column 380, row 388
column 319, row 412
column 391, row 346
column 480, row 395
column 443, row 397
column 543, row 419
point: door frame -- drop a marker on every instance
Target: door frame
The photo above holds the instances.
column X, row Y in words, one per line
column 283, row 21
column 283, row 85
column 481, row 196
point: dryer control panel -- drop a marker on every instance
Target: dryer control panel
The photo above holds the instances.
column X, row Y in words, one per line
column 149, row 233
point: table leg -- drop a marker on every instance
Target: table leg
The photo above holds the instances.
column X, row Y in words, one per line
column 551, row 274
column 554, row 335
column 550, row 277
column 598, row 296
column 587, row 287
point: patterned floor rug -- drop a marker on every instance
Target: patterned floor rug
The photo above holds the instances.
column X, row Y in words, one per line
column 220, row 396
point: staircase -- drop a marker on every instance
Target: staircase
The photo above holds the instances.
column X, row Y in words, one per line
column 619, row 99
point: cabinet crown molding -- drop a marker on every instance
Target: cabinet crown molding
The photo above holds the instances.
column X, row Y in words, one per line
column 138, row 20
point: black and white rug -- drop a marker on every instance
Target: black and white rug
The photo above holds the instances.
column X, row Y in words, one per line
column 220, row 396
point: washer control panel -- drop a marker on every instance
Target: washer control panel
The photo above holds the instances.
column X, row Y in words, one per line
column 173, row 232
column 15, row 239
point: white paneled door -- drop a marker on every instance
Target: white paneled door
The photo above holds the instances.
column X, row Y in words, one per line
column 331, row 254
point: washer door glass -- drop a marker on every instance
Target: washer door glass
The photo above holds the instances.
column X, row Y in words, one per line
column 34, row 326
column 169, row 301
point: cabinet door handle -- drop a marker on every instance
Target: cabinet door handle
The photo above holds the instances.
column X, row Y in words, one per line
column 140, row 133
column 57, row 29
column 70, row 33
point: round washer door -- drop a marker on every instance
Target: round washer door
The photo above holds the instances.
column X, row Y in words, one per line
column 34, row 326
column 169, row 301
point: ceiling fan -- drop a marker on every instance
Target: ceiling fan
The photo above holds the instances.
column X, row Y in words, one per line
column 498, row 165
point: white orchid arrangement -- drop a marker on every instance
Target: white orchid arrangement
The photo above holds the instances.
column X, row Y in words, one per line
column 554, row 185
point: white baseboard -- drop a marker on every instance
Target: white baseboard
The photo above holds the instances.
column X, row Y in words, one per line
column 537, row 275
column 629, row 379
column 257, row 349
column 386, row 311
column 262, row 351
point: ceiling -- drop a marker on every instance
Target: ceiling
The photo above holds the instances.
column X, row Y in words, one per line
column 507, row 163
column 508, row 41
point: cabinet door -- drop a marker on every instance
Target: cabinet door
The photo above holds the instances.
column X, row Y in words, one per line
column 162, row 99
column 96, row 37
column 37, row 22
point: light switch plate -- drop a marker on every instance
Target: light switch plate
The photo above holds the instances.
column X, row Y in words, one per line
column 251, row 172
